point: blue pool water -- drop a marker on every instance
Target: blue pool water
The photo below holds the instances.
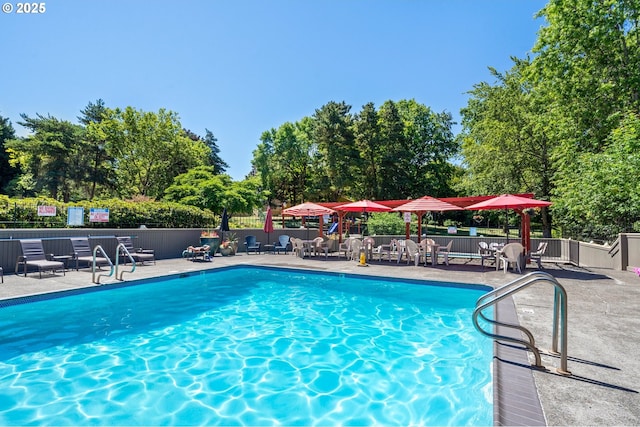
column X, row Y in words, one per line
column 248, row 346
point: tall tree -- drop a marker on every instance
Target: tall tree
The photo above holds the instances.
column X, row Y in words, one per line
column 149, row 149
column 506, row 146
column 428, row 146
column 49, row 157
column 333, row 136
column 600, row 197
column 99, row 171
column 219, row 165
column 7, row 173
column 587, row 72
column 366, row 130
column 282, row 159
column 392, row 151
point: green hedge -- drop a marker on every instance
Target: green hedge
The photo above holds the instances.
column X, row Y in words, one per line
column 23, row 213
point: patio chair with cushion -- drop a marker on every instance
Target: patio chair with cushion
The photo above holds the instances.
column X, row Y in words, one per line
column 283, row 244
column 82, row 253
column 138, row 254
column 251, row 244
column 33, row 256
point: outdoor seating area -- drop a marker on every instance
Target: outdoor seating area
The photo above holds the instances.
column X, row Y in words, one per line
column 426, row 253
column 81, row 254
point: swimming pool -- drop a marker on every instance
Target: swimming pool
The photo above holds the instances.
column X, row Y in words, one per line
column 248, row 346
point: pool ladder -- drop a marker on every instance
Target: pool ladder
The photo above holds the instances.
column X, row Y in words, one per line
column 559, row 316
column 120, row 249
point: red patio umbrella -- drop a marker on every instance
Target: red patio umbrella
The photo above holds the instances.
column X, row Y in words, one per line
column 360, row 206
column 425, row 204
column 363, row 206
column 509, row 201
column 308, row 209
column 268, row 224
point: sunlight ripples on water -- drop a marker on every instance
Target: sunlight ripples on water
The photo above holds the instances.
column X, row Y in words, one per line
column 248, row 346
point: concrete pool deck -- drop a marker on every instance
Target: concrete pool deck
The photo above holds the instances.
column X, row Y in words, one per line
column 603, row 325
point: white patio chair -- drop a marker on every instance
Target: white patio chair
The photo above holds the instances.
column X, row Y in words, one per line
column 538, row 253
column 512, row 253
column 486, row 252
column 444, row 250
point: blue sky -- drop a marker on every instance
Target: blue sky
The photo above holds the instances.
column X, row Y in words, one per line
column 239, row 68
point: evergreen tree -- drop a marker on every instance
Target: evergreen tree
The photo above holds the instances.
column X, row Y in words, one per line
column 219, row 165
column 7, row 172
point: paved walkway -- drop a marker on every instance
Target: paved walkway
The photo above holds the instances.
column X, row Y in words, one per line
column 603, row 337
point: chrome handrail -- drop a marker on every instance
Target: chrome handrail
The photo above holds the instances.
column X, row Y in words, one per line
column 93, row 269
column 559, row 316
column 122, row 250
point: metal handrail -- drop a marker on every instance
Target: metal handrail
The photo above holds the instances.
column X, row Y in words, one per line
column 121, row 249
column 95, row 279
column 559, row 316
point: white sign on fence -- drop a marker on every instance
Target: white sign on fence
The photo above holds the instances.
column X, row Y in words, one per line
column 99, row 215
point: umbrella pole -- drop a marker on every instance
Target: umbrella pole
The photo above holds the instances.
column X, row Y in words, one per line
column 506, row 222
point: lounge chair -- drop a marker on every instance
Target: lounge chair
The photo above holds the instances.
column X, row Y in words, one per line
column 512, row 253
column 82, row 253
column 193, row 253
column 138, row 254
column 33, row 256
column 283, row 244
column 538, row 253
column 251, row 244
